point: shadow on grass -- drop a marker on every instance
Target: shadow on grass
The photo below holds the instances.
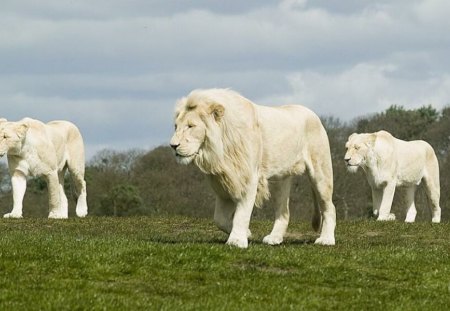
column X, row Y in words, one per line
column 222, row 241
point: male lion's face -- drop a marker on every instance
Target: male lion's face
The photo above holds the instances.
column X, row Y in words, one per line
column 11, row 136
column 190, row 133
column 357, row 148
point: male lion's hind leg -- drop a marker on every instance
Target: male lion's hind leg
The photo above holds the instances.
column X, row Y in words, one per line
column 19, row 186
column 280, row 196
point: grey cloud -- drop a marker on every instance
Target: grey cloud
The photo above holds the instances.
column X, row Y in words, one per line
column 106, row 64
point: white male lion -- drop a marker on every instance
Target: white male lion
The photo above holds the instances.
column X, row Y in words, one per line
column 242, row 147
column 48, row 150
column 390, row 162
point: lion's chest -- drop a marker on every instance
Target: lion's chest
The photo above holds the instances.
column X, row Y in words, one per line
column 29, row 162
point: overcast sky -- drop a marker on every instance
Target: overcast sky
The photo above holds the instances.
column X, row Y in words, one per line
column 116, row 67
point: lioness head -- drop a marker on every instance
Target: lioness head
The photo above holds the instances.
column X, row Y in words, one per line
column 195, row 120
column 358, row 146
column 11, row 136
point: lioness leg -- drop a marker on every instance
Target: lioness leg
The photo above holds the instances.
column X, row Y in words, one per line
column 54, row 197
column 386, row 203
column 80, row 185
column 19, row 186
column 280, row 190
column 411, row 206
column 64, row 209
column 322, row 181
column 241, row 218
column 433, row 194
column 76, row 165
column 377, row 196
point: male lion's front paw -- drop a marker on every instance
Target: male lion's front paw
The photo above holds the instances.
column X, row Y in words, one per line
column 273, row 240
column 57, row 216
column 238, row 242
column 325, row 241
column 389, row 217
column 12, row 215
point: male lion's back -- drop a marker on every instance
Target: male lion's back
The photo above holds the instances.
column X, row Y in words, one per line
column 293, row 136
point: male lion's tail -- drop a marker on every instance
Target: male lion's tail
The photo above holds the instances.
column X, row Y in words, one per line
column 317, row 216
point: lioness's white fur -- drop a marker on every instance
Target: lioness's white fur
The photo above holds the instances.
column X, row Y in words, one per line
column 48, row 150
column 242, row 147
column 389, row 162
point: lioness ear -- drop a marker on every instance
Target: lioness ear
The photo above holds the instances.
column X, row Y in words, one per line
column 217, row 110
column 3, row 120
column 351, row 136
column 21, row 130
column 372, row 139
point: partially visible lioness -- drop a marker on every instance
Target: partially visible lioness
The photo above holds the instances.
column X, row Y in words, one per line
column 389, row 162
column 242, row 147
column 48, row 150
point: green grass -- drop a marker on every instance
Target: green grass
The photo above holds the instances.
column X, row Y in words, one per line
column 182, row 264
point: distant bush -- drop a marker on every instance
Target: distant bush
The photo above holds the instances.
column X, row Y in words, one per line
column 152, row 183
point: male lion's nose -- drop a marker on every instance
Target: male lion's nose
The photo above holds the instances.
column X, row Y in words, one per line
column 347, row 160
column 174, row 146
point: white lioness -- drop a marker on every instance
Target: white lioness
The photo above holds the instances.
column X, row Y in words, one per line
column 48, row 150
column 389, row 162
column 242, row 147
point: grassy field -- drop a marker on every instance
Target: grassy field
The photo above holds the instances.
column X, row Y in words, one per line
column 182, row 264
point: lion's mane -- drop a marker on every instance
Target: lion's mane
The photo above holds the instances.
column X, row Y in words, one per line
column 227, row 154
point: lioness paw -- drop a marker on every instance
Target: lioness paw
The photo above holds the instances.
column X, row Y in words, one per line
column 273, row 240
column 81, row 213
column 436, row 219
column 12, row 215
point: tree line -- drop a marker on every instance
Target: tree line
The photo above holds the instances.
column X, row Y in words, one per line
column 138, row 182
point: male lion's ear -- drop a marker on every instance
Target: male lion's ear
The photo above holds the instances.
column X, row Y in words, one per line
column 21, row 130
column 217, row 110
column 350, row 138
column 180, row 106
